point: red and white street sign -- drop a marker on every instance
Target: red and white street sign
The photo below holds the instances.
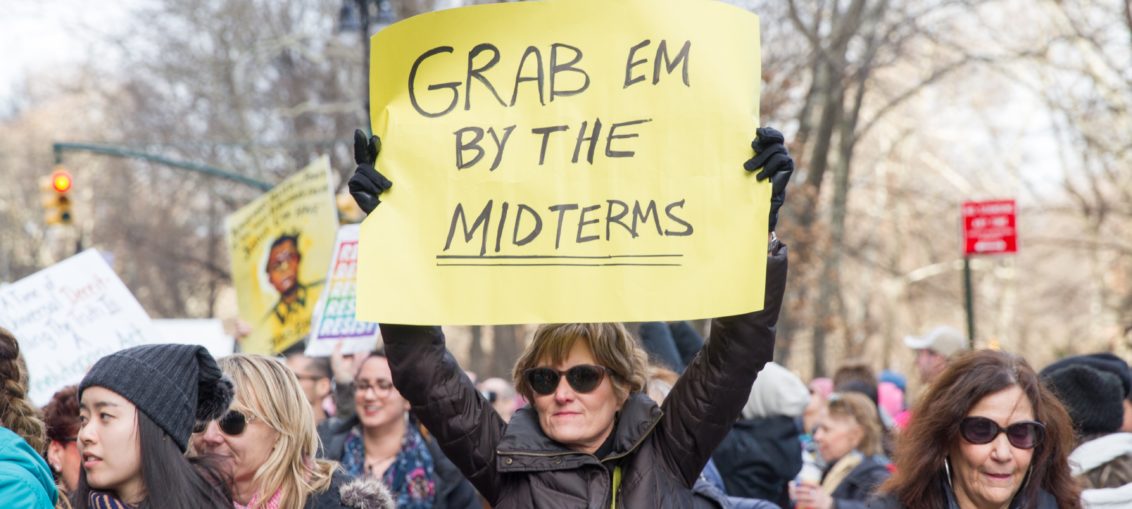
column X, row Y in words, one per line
column 989, row 227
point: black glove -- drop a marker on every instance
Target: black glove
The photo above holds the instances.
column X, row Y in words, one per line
column 771, row 156
column 367, row 184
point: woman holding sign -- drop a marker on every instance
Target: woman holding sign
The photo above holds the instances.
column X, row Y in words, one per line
column 590, row 434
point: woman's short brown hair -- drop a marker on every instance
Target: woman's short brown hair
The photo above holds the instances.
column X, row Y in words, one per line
column 612, row 347
column 922, row 448
column 860, row 408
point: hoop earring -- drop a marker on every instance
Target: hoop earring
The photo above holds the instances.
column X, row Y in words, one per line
column 947, row 471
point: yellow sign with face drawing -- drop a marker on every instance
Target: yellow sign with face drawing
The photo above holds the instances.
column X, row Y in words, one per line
column 566, row 161
column 280, row 246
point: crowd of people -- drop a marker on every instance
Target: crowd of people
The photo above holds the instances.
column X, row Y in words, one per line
column 647, row 415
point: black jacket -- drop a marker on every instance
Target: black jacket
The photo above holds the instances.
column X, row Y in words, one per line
column 660, row 450
column 452, row 490
column 1045, row 501
column 860, row 485
column 760, row 457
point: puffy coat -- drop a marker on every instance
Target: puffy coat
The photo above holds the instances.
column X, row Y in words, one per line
column 660, row 450
column 760, row 457
column 25, row 480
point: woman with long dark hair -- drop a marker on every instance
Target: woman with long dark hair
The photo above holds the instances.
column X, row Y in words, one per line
column 987, row 434
column 137, row 409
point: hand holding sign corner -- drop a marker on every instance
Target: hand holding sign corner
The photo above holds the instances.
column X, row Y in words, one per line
column 775, row 164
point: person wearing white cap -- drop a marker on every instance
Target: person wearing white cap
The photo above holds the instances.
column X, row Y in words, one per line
column 934, row 349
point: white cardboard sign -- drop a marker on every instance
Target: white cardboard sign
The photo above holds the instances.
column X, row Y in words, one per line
column 69, row 315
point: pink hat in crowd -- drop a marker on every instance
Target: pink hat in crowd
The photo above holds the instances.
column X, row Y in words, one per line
column 890, row 398
column 821, row 386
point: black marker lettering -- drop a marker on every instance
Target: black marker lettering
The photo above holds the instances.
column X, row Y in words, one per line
column 483, row 219
column 669, row 65
column 687, row 226
column 582, row 223
column 611, row 218
column 630, row 64
column 503, row 221
column 556, row 68
column 592, row 139
column 609, row 152
column 561, row 210
column 644, row 216
column 538, row 78
column 453, row 86
column 499, row 144
column 477, row 73
column 463, row 146
column 519, row 219
column 545, row 132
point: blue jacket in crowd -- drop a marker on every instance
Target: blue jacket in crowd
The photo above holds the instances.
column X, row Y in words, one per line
column 25, row 480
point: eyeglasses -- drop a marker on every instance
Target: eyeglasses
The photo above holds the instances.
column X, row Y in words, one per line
column 232, row 423
column 378, row 386
column 583, row 378
column 1023, row 434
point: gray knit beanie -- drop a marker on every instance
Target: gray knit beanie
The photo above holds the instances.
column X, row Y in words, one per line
column 174, row 385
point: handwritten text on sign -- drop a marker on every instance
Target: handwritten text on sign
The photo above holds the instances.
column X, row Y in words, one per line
column 69, row 315
column 280, row 247
column 565, row 161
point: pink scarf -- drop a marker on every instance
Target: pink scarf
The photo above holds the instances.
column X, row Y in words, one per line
column 276, row 499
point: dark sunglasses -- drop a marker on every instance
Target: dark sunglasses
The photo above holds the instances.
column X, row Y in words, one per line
column 1023, row 434
column 582, row 378
column 231, row 423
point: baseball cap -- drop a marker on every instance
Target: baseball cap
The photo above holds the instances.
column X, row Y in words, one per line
column 944, row 340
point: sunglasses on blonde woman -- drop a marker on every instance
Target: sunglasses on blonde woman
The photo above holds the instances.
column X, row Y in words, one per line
column 232, row 423
column 1022, row 434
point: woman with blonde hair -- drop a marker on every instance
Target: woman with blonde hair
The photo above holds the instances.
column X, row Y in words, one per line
column 848, row 435
column 267, row 441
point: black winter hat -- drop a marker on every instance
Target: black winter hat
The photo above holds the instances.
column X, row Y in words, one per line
column 1094, row 398
column 174, row 385
column 1101, row 361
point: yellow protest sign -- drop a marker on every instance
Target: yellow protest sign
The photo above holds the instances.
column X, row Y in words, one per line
column 566, row 160
column 280, row 245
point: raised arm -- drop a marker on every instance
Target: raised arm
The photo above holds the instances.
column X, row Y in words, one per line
column 464, row 423
column 707, row 399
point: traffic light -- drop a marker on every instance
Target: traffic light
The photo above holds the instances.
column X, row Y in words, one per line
column 57, row 199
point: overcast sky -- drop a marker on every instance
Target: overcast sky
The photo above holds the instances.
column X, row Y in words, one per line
column 37, row 36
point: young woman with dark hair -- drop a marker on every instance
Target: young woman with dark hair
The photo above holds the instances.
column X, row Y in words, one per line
column 137, row 410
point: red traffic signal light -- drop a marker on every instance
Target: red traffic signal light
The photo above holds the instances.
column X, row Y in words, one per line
column 56, row 197
column 61, row 181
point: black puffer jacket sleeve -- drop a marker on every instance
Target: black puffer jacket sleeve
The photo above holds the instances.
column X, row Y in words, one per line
column 464, row 423
column 706, row 401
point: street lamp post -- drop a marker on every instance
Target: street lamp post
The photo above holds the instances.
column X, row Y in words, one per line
column 355, row 16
